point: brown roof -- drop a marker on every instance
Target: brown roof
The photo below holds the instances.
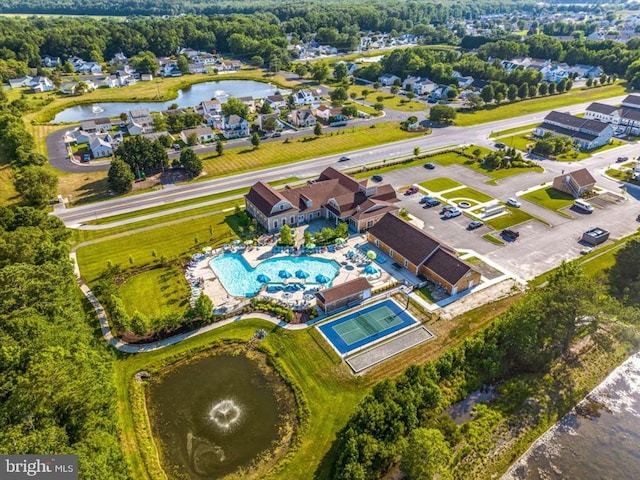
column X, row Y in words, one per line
column 404, row 238
column 317, row 192
column 264, row 197
column 582, row 177
column 447, row 266
column 344, row 290
column 572, row 122
column 344, row 179
column 632, row 99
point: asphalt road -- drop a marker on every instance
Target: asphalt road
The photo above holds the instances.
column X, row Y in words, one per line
column 439, row 138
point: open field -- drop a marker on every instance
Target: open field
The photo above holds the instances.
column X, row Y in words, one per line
column 525, row 107
column 550, row 198
column 394, row 102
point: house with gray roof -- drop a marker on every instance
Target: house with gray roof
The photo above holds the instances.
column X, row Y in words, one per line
column 587, row 133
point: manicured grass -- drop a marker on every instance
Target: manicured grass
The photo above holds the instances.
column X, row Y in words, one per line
column 171, row 241
column 156, row 293
column 509, row 131
column 577, row 156
column 272, row 154
column 440, row 184
column 514, row 217
column 539, row 104
column 492, row 239
column 468, row 193
column 425, row 293
column 617, row 174
column 550, row 198
column 519, row 141
column 394, row 102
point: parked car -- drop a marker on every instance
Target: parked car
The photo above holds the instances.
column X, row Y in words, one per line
column 429, row 166
column 499, row 145
column 513, row 202
column 475, row 224
column 86, row 157
column 622, row 159
column 452, row 213
column 344, row 159
column 377, row 178
column 176, row 146
column 276, row 135
column 411, row 190
column 510, row 234
column 586, row 250
column 424, row 199
column 432, row 202
column 446, row 209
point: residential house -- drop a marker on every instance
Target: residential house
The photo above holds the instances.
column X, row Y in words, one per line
column 463, row 81
column 88, row 67
column 555, row 73
column 231, row 65
column 51, row 62
column 422, row 254
column 20, row 82
column 333, row 196
column 250, row 103
column 325, row 112
column 211, row 110
column 419, row 86
column 576, row 183
column 169, row 68
column 441, row 92
column 146, row 77
column 77, row 137
column 70, row 88
column 119, row 59
column 100, row 147
column 585, row 71
column 277, row 102
column 202, row 133
column 306, row 96
column 302, row 118
column 140, row 121
column 96, row 125
column 197, row 68
column 347, row 293
column 260, row 121
column 585, row 132
column 388, row 79
column 154, row 136
column 234, row 126
column 42, row 84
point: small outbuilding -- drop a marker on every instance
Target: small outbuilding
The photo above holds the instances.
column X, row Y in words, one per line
column 351, row 292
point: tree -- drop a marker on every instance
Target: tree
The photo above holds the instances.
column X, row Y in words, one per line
column 36, row 185
column 145, row 62
column 512, row 93
column 81, row 87
column 183, row 64
column 624, row 275
column 300, row 69
column 442, row 114
column 192, row 139
column 120, row 176
column 266, row 108
column 317, row 129
column 339, row 96
column 191, row 162
column 319, row 71
column 233, row 106
column 487, row 94
column 203, row 308
column 286, row 236
column 219, row 148
column 269, row 124
column 416, row 151
column 426, row 456
column 533, row 91
column 552, row 88
column 340, row 71
column 543, row 89
column 394, row 89
column 378, row 107
column 257, row 61
column 255, row 140
column 350, row 111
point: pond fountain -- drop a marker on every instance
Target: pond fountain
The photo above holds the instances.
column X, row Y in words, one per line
column 214, row 414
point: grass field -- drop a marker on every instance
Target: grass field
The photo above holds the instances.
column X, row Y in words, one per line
column 550, row 198
column 515, row 217
column 455, row 158
column 394, row 102
column 440, row 184
column 156, row 292
column 577, row 156
column 468, row 193
column 540, row 104
column 518, row 141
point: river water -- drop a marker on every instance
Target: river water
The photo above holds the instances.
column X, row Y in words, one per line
column 605, row 446
column 187, row 97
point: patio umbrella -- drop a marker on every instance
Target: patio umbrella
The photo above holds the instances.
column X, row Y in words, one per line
column 370, row 270
column 207, row 249
column 320, row 278
column 339, row 241
column 248, row 242
column 310, row 245
column 302, row 274
column 262, row 278
column 284, row 274
column 372, row 255
column 236, row 242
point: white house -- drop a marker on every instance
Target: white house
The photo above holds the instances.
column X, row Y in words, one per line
column 146, row 77
column 51, row 62
column 388, row 79
column 303, row 118
column 140, row 121
column 276, row 102
column 585, row 71
column 197, row 68
column 203, row 134
column 463, row 82
column 234, row 126
column 100, row 148
column 589, row 134
column 20, row 82
column 306, row 96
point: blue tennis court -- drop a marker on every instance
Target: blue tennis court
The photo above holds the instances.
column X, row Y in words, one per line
column 366, row 326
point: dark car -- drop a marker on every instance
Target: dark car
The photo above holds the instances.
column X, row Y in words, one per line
column 424, row 199
column 499, row 145
column 622, row 159
column 377, row 178
column 411, row 190
column 432, row 202
column 429, row 166
column 475, row 224
column 344, row 159
column 446, row 209
column 276, row 135
column 510, row 234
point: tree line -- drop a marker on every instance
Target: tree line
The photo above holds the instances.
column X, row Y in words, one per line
column 400, row 420
column 57, row 394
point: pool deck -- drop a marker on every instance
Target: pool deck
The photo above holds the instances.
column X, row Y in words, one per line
column 349, row 270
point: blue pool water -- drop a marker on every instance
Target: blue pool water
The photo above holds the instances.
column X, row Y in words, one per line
column 343, row 346
column 240, row 280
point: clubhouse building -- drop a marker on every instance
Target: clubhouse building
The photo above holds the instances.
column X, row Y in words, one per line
column 333, row 196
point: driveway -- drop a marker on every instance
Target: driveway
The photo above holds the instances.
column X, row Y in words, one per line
column 59, row 159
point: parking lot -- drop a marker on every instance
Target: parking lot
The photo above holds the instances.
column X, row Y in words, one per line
column 539, row 246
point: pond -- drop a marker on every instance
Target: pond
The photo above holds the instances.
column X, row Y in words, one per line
column 187, row 97
column 215, row 414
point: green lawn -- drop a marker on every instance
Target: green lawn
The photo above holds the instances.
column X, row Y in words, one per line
column 425, row 294
column 617, row 174
column 519, row 141
column 440, row 184
column 468, row 193
column 540, row 104
column 393, row 102
column 509, row 131
column 454, row 158
column 156, row 293
column 577, row 156
column 550, row 198
column 174, row 242
column 514, row 217
column 493, row 239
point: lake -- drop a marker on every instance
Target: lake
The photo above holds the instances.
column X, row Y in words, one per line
column 603, row 445
column 215, row 414
column 187, row 97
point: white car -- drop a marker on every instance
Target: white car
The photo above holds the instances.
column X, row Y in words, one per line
column 513, row 202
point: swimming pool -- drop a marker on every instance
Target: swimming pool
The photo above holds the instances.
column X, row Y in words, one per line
column 241, row 280
column 368, row 325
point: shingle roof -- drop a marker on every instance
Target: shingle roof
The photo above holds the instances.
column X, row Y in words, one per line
column 264, row 197
column 447, row 266
column 582, row 177
column 632, row 99
column 344, row 290
column 567, row 132
column 568, row 121
column 601, row 108
column 404, row 238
